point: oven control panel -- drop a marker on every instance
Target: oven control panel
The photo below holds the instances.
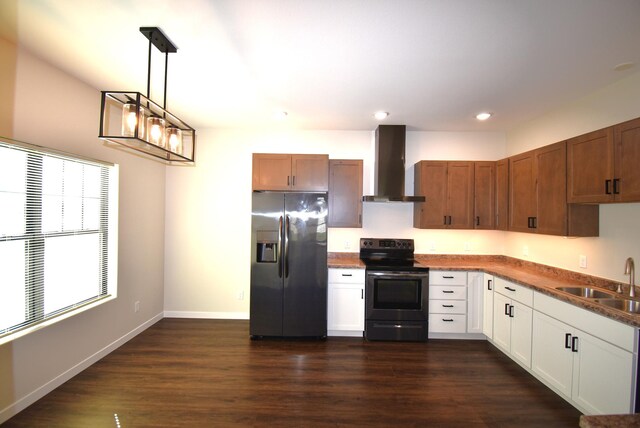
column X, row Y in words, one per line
column 386, row 244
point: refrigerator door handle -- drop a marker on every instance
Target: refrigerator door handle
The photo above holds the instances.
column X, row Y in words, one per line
column 280, row 259
column 287, row 222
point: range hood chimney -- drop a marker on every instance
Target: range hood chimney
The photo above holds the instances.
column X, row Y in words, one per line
column 389, row 166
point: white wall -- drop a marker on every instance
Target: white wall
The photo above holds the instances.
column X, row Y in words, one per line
column 52, row 109
column 208, row 209
column 619, row 228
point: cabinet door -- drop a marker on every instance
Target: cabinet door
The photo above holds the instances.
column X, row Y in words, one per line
column 521, row 333
column 487, row 296
column 501, row 322
column 551, row 189
column 345, row 193
column 484, row 195
column 345, row 307
column 627, row 161
column 271, row 171
column 521, row 192
column 475, row 302
column 430, row 182
column 460, row 195
column 602, row 376
column 502, row 194
column 310, row 173
column 551, row 357
column 590, row 167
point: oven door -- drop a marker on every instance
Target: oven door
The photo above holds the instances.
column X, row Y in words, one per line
column 397, row 295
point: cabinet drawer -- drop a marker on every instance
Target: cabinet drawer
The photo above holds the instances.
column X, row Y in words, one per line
column 440, row 277
column 447, row 307
column 350, row 276
column 443, row 292
column 514, row 291
column 439, row 323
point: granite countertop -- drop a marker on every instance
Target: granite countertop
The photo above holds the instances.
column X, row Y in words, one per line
column 541, row 278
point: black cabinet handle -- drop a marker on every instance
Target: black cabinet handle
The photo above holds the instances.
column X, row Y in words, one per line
column 447, row 320
column 447, row 291
column 574, row 344
column 449, row 220
column 445, row 220
column 477, row 220
column 535, row 222
column 294, row 180
column 616, row 186
column 288, row 181
column 530, row 222
column 447, row 306
column 506, row 309
column 489, row 284
column 447, row 276
column 510, row 289
column 362, row 293
column 347, row 274
column 511, row 311
column 607, row 187
column 567, row 340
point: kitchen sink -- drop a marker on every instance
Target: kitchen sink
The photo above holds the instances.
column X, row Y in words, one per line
column 588, row 292
column 631, row 306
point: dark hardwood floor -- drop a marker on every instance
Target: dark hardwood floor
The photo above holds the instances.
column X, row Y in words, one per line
column 208, row 373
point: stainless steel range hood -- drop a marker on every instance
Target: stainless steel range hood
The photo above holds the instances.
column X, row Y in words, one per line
column 389, row 166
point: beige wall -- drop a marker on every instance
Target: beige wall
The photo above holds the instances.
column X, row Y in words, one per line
column 208, row 209
column 619, row 228
column 54, row 110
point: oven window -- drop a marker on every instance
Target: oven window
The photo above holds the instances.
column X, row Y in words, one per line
column 397, row 294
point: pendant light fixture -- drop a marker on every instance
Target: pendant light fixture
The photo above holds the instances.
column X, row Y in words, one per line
column 135, row 121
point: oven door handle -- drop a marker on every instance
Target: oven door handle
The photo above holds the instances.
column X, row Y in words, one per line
column 397, row 274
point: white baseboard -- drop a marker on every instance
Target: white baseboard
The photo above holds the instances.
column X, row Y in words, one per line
column 208, row 315
column 32, row 397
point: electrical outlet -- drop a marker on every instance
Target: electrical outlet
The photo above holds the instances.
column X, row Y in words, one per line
column 525, row 251
column 240, row 295
column 136, row 306
column 432, row 246
column 347, row 245
column 467, row 247
column 583, row 262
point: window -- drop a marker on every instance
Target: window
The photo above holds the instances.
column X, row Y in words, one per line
column 58, row 236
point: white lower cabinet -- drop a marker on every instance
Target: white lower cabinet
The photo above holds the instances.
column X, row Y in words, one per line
column 345, row 306
column 594, row 375
column 512, row 322
column 475, row 303
column 487, row 298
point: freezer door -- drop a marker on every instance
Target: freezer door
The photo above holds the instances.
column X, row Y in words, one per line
column 267, row 222
column 305, row 267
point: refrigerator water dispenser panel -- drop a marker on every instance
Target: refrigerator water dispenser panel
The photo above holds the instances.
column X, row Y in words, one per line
column 267, row 246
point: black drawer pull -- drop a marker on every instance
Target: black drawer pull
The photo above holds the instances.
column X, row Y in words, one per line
column 447, row 291
column 510, row 289
column 447, row 320
column 574, row 344
column 447, row 277
column 447, row 306
column 607, row 187
column 347, row 274
column 567, row 340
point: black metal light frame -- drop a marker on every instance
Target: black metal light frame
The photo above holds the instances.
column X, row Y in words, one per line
column 113, row 102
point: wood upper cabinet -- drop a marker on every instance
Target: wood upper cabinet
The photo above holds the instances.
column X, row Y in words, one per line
column 292, row 172
column 345, row 193
column 537, row 196
column 603, row 165
column 502, row 195
column 448, row 188
column 484, row 195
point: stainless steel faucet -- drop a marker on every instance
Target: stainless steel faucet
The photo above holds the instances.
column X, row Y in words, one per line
column 630, row 269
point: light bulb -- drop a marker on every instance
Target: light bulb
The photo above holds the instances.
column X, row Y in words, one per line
column 174, row 139
column 155, row 126
column 130, row 120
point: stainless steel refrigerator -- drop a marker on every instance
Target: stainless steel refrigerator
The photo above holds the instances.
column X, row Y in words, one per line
column 288, row 265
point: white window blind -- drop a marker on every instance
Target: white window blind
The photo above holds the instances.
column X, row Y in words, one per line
column 58, row 229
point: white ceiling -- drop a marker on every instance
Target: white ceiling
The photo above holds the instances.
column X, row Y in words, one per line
column 433, row 64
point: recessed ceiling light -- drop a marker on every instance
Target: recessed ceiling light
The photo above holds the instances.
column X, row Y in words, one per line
column 483, row 116
column 280, row 115
column 624, row 66
column 381, row 115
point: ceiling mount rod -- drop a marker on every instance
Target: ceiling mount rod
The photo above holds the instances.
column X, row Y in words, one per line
column 163, row 44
